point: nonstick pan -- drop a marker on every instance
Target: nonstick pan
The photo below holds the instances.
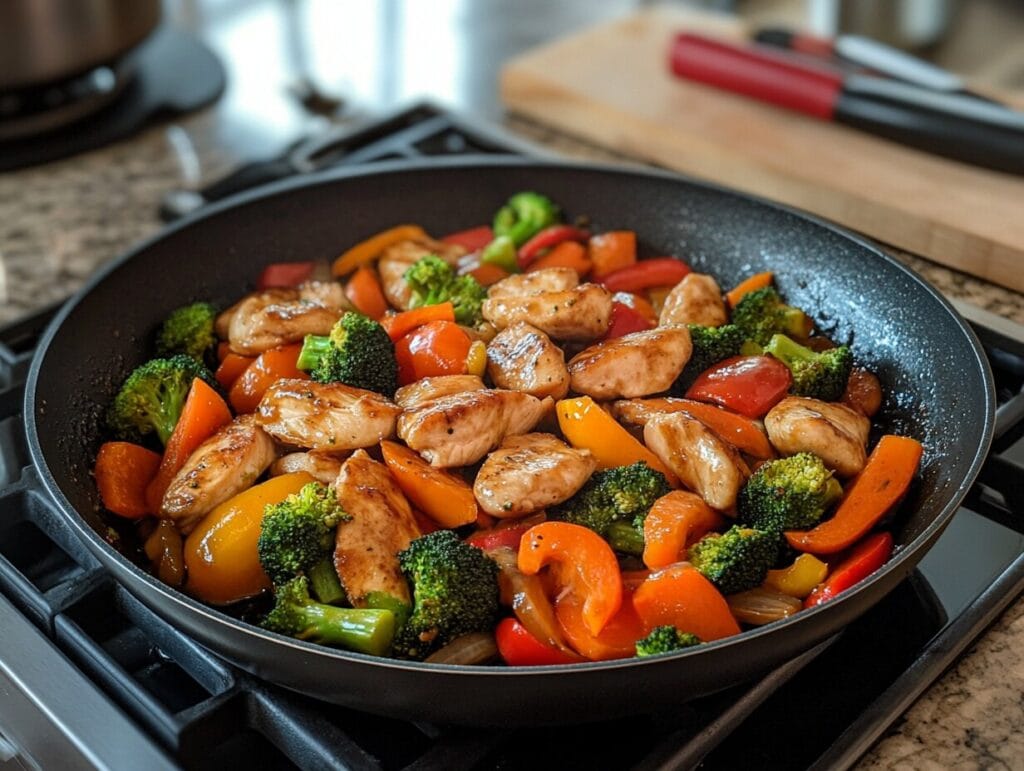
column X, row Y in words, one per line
column 937, row 384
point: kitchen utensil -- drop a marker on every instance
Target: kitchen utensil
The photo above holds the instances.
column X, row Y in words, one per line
column 939, row 389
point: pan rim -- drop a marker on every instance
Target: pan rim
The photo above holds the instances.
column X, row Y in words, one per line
column 116, row 562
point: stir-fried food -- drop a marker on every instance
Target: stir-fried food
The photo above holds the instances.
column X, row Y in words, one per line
column 524, row 437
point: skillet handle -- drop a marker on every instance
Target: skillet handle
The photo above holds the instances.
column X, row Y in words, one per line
column 179, row 203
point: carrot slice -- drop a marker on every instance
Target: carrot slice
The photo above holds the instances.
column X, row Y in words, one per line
column 612, row 251
column 439, row 494
column 265, row 370
column 232, row 365
column 757, row 281
column 223, row 349
column 203, row 414
column 568, row 254
column 886, row 476
column 680, row 596
column 398, row 325
column 674, row 521
column 370, row 249
column 122, row 472
column 365, row 292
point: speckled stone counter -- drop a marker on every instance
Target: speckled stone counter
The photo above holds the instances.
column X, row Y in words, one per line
column 61, row 221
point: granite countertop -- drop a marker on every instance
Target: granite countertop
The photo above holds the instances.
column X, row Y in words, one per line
column 60, row 221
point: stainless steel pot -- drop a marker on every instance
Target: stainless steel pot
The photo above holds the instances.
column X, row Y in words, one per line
column 42, row 41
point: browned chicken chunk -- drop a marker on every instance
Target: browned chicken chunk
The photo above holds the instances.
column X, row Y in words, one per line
column 325, row 416
column 582, row 313
column 706, row 464
column 694, row 300
column 526, row 284
column 381, row 525
column 460, row 429
column 429, row 388
column 636, row 364
column 834, row 432
column 221, row 467
column 528, row 473
column 257, row 327
column 522, row 358
column 397, row 259
column 321, row 466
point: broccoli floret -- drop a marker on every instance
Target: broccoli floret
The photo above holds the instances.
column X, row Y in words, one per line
column 297, row 536
column 358, row 353
column 455, row 592
column 713, row 344
column 152, row 396
column 762, row 313
column 736, row 560
column 617, row 495
column 188, row 330
column 524, row 215
column 360, row 629
column 664, row 639
column 788, row 494
column 433, row 281
column 819, row 375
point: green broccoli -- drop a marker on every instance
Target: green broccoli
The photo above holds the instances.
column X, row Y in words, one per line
column 501, row 252
column 665, row 639
column 359, row 629
column 358, row 353
column 152, row 396
column 819, row 375
column 762, row 313
column 433, row 281
column 736, row 560
column 524, row 215
column 188, row 330
column 618, row 496
column 297, row 538
column 455, row 592
column 788, row 494
column 710, row 346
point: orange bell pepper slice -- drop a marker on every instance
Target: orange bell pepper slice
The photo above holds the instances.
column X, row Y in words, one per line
column 584, row 564
column 371, row 248
column 568, row 254
column 680, row 596
column 441, row 495
column 617, row 640
column 265, row 370
column 398, row 325
column 675, row 521
column 612, row 251
column 757, row 281
column 432, row 350
column 122, row 472
column 364, row 291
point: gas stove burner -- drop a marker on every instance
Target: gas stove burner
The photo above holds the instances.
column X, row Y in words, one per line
column 52, row 106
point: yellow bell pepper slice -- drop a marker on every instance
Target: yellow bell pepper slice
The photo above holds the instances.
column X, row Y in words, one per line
column 371, row 248
column 800, row 578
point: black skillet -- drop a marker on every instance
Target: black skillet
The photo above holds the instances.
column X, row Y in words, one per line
column 937, row 383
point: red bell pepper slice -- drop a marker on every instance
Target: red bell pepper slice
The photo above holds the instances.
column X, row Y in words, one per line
column 285, row 274
column 625, row 320
column 473, row 239
column 749, row 385
column 435, row 349
column 865, row 558
column 496, row 538
column 519, row 648
column 547, row 238
column 660, row 271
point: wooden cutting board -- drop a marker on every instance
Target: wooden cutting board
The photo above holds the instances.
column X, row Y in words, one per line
column 611, row 85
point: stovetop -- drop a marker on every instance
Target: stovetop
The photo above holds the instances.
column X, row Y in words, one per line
column 90, row 678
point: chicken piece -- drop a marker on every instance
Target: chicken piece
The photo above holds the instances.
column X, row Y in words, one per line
column 528, row 473
column 636, row 364
column 267, row 297
column 366, row 546
column 257, row 327
column 221, row 467
column 706, row 464
column 696, row 299
column 415, row 394
column 397, row 258
column 325, row 416
column 527, row 284
column 322, row 467
column 522, row 358
column 832, row 431
column 330, row 294
column 460, row 429
column 582, row 313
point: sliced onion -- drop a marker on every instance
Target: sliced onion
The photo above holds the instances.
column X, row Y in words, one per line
column 762, row 606
column 528, row 599
column 474, row 648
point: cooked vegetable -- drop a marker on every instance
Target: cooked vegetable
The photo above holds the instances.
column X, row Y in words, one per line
column 568, row 254
column 470, row 649
column 613, row 251
column 398, row 325
column 740, row 431
column 165, row 551
column 364, row 291
column 528, row 598
column 745, row 287
column 676, row 520
column 501, row 252
column 800, row 578
column 471, row 240
column 710, row 346
column 371, row 248
column 890, row 469
column 285, row 274
column 122, row 471
column 455, row 592
column 232, row 365
column 624, row 321
column 189, row 330
column 434, row 281
column 736, row 560
column 435, row 349
column 761, row 606
column 549, row 239
column 661, row 271
column 616, row 640
column 265, row 370
column 523, row 215
column 444, row 497
column 788, row 494
column 681, row 597
column 863, row 392
column 821, row 375
column 762, row 313
column 152, row 396
column 867, row 557
column 749, row 385
column 295, row 614
column 358, row 353
column 665, row 639
column 519, row 648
